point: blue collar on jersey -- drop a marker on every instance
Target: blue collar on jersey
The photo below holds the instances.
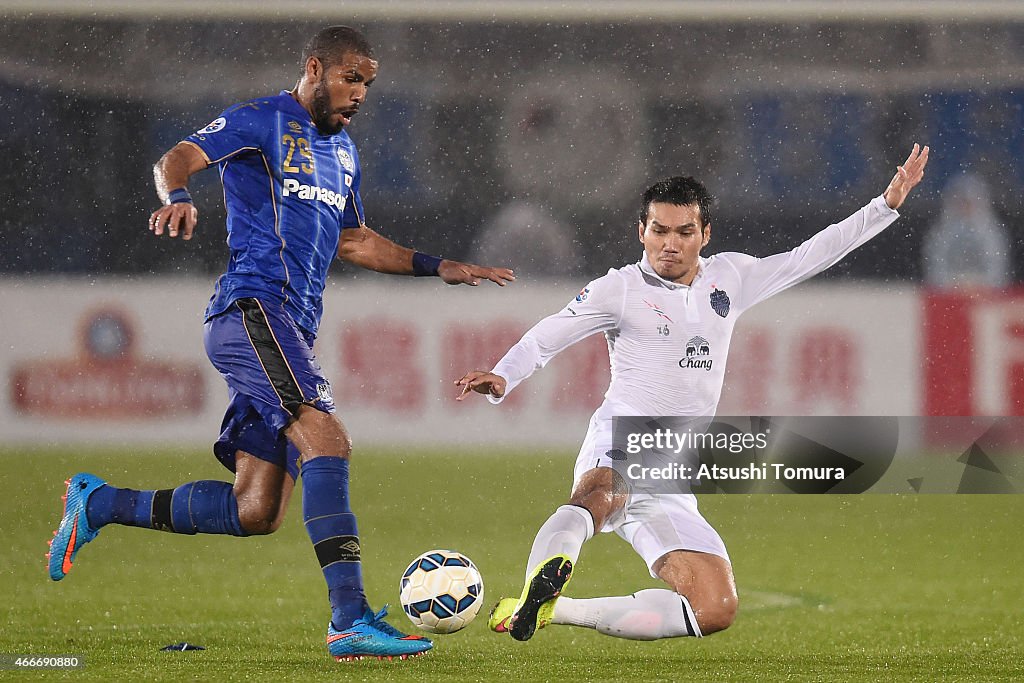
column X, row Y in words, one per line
column 291, row 104
column 646, row 267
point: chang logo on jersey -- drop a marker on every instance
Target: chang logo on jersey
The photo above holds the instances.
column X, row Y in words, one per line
column 313, row 193
column 698, row 352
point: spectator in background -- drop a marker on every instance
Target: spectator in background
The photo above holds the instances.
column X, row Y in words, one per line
column 538, row 243
column 968, row 247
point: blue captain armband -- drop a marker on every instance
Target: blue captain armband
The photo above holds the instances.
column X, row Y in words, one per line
column 425, row 264
column 179, row 196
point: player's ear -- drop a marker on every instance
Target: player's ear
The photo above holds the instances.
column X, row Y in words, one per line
column 314, row 69
column 707, row 236
column 641, row 228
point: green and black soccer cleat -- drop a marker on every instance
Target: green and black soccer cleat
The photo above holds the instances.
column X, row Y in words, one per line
column 536, row 605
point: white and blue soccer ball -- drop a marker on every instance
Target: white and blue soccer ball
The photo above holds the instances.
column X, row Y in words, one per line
column 441, row 591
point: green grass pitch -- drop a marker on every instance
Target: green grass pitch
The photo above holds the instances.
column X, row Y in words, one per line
column 850, row 588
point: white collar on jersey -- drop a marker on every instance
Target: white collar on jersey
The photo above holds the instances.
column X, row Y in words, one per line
column 645, row 266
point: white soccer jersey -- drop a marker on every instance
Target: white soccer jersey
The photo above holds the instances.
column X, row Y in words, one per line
column 668, row 342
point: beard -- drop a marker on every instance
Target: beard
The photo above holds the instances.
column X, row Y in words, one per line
column 322, row 110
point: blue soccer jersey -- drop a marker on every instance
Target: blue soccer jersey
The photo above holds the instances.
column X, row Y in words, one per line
column 289, row 191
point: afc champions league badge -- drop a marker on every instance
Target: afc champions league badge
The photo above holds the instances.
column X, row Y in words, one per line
column 720, row 302
column 216, row 125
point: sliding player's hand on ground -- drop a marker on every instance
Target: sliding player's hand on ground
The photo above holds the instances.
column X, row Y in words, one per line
column 482, row 383
column 456, row 273
column 175, row 218
column 907, row 177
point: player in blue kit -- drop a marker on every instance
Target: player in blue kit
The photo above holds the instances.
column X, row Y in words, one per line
column 291, row 185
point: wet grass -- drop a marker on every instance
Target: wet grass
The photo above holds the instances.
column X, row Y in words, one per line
column 871, row 587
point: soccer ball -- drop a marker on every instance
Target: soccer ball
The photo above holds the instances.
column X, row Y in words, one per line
column 441, row 591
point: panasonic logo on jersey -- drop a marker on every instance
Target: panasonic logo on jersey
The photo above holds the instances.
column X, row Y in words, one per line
column 313, row 192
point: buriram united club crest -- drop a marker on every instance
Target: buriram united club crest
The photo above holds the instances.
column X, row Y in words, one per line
column 720, row 302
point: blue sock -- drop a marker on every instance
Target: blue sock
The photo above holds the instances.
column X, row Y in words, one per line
column 205, row 507
column 109, row 505
column 332, row 529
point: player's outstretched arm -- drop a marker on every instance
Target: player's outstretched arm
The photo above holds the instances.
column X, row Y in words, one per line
column 171, row 175
column 766, row 277
column 907, row 177
column 482, row 383
column 365, row 248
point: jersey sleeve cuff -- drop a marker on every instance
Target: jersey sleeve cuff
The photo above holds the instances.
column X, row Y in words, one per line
column 495, row 400
column 206, row 157
column 882, row 206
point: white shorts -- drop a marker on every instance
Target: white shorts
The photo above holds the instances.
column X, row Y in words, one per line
column 654, row 524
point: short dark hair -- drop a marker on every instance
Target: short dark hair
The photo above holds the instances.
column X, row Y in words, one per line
column 681, row 191
column 330, row 44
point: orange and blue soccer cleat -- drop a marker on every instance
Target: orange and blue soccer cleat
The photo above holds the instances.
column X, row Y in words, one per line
column 371, row 636
column 74, row 530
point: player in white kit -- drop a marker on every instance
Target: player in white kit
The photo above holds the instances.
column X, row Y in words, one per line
column 668, row 320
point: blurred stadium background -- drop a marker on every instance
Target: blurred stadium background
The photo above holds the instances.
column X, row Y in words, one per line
column 522, row 134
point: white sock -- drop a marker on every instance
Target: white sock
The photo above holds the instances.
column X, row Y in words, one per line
column 645, row 615
column 563, row 534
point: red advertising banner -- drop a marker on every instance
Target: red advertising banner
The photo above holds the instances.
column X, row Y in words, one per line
column 974, row 352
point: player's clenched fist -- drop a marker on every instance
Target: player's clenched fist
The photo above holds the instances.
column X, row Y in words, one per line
column 180, row 217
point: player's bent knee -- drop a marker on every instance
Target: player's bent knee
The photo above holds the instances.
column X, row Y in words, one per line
column 601, row 492
column 717, row 613
column 258, row 514
column 707, row 583
column 259, row 522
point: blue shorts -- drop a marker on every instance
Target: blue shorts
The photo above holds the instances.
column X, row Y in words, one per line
column 270, row 369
